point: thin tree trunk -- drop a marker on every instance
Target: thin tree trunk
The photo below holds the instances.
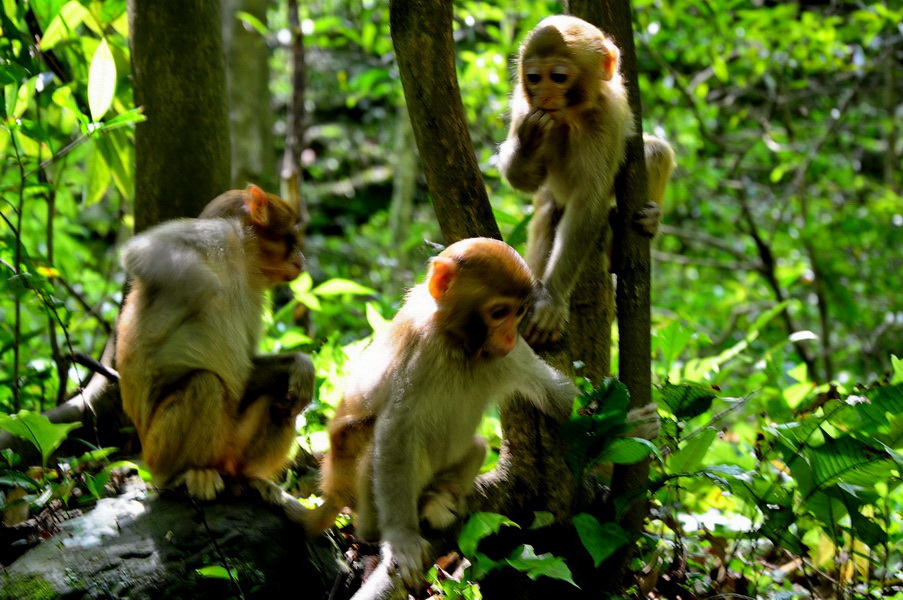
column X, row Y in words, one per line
column 179, row 72
column 425, row 51
column 631, row 259
column 250, row 113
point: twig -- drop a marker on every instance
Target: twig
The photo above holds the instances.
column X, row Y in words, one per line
column 217, row 548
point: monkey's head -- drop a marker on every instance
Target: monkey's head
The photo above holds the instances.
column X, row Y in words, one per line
column 482, row 288
column 274, row 224
column 563, row 61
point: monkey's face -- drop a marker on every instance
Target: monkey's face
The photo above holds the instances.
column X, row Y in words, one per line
column 548, row 82
column 501, row 316
column 280, row 258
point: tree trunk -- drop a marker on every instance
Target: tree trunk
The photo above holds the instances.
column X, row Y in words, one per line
column 631, row 259
column 179, row 73
column 425, row 51
column 250, row 113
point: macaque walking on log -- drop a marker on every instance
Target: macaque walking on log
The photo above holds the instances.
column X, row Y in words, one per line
column 204, row 404
column 570, row 120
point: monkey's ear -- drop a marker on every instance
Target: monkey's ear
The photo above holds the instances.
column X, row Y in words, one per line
column 442, row 272
column 258, row 205
column 610, row 60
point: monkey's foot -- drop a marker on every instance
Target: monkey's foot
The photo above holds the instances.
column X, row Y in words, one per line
column 410, row 554
column 440, row 509
column 203, row 484
column 648, row 423
column 648, row 218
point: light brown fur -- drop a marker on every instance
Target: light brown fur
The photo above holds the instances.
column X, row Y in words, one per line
column 403, row 443
column 203, row 403
column 570, row 121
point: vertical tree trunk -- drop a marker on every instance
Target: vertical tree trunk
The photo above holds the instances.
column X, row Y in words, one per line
column 250, row 113
column 179, row 72
column 631, row 259
column 425, row 51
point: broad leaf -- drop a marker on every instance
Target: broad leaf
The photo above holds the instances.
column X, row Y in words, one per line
column 37, row 429
column 600, row 540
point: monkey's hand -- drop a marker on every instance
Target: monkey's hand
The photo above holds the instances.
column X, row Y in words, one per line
column 533, row 131
column 203, row 484
column 648, row 218
column 440, row 508
column 549, row 316
column 648, row 424
column 410, row 553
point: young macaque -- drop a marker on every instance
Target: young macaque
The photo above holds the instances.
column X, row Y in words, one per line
column 570, row 120
column 203, row 403
column 403, row 443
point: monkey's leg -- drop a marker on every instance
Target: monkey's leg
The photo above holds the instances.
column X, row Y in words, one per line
column 444, row 500
column 541, row 231
column 366, row 522
column 188, row 436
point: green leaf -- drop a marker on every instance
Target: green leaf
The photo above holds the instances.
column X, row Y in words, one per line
column 478, row 526
column 101, row 81
column 672, row 340
column 898, row 370
column 688, row 400
column 63, row 25
column 253, row 21
column 689, row 458
column 525, row 560
column 600, row 540
column 38, row 430
column 626, row 451
column 518, row 235
column 542, row 518
column 338, row 286
column 217, row 572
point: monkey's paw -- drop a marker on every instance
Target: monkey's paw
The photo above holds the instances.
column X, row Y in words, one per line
column 549, row 318
column 440, row 509
column 203, row 484
column 648, row 424
column 410, row 553
column 533, row 130
column 648, row 218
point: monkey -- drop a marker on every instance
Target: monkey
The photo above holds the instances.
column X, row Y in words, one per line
column 570, row 121
column 403, row 443
column 204, row 405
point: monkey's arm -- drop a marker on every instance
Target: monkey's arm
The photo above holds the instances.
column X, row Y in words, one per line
column 521, row 158
column 398, row 459
column 173, row 254
column 550, row 390
column 289, row 377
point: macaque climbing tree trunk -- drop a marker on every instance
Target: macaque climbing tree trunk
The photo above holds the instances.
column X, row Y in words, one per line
column 182, row 151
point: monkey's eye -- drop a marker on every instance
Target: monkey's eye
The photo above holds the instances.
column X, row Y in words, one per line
column 521, row 310
column 534, row 77
column 559, row 77
column 499, row 312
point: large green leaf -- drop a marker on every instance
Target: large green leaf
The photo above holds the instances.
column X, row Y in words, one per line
column 689, row 457
column 101, row 81
column 601, row 540
column 525, row 559
column 688, row 400
column 37, row 429
column 478, row 526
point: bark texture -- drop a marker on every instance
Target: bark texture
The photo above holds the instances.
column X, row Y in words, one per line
column 631, row 258
column 179, row 72
column 250, row 113
column 425, row 51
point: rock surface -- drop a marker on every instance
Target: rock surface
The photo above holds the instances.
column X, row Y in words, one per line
column 146, row 546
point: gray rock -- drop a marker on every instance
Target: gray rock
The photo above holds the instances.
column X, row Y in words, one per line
column 147, row 546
